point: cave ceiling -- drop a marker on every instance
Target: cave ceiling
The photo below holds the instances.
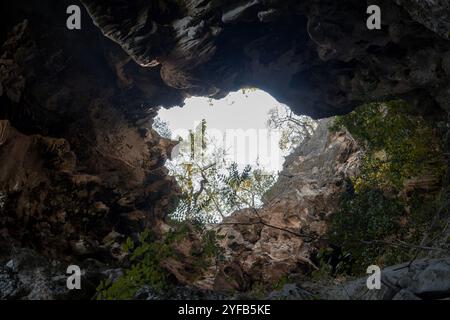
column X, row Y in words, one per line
column 316, row 56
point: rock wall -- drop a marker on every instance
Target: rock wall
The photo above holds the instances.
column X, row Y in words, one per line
column 81, row 167
column 317, row 56
column 264, row 245
column 278, row 242
column 424, row 279
column 89, row 94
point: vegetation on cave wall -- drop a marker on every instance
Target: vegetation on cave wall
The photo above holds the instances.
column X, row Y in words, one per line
column 148, row 255
column 379, row 220
column 401, row 187
column 399, row 145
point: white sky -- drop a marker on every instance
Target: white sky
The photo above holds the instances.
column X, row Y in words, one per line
column 246, row 111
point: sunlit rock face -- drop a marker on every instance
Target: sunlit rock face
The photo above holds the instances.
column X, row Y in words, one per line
column 263, row 245
column 318, row 57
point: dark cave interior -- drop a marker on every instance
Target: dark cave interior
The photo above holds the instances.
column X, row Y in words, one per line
column 81, row 166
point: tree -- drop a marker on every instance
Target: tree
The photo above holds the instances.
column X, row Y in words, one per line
column 400, row 194
column 212, row 186
column 162, row 128
column 294, row 129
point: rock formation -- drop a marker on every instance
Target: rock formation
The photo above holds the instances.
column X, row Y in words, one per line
column 422, row 279
column 318, row 57
column 263, row 245
column 81, row 168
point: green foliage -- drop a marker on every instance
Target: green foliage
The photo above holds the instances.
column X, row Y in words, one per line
column 361, row 221
column 368, row 225
column 399, row 145
column 128, row 245
column 293, row 128
column 210, row 247
column 210, row 250
column 258, row 291
column 377, row 215
column 285, row 279
column 162, row 128
column 331, row 262
column 212, row 187
column 146, row 258
column 434, row 212
column 244, row 188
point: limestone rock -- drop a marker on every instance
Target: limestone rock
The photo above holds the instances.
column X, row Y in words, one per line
column 76, row 164
column 281, row 237
column 36, row 278
column 318, row 57
column 434, row 14
column 290, row 292
column 79, row 160
column 423, row 279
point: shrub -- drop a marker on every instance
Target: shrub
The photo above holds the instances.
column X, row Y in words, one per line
column 398, row 145
column 146, row 268
column 362, row 220
column 146, row 259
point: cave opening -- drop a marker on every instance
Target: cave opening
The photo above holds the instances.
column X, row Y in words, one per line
column 230, row 151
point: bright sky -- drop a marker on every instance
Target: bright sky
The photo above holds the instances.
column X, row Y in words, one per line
column 246, row 111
